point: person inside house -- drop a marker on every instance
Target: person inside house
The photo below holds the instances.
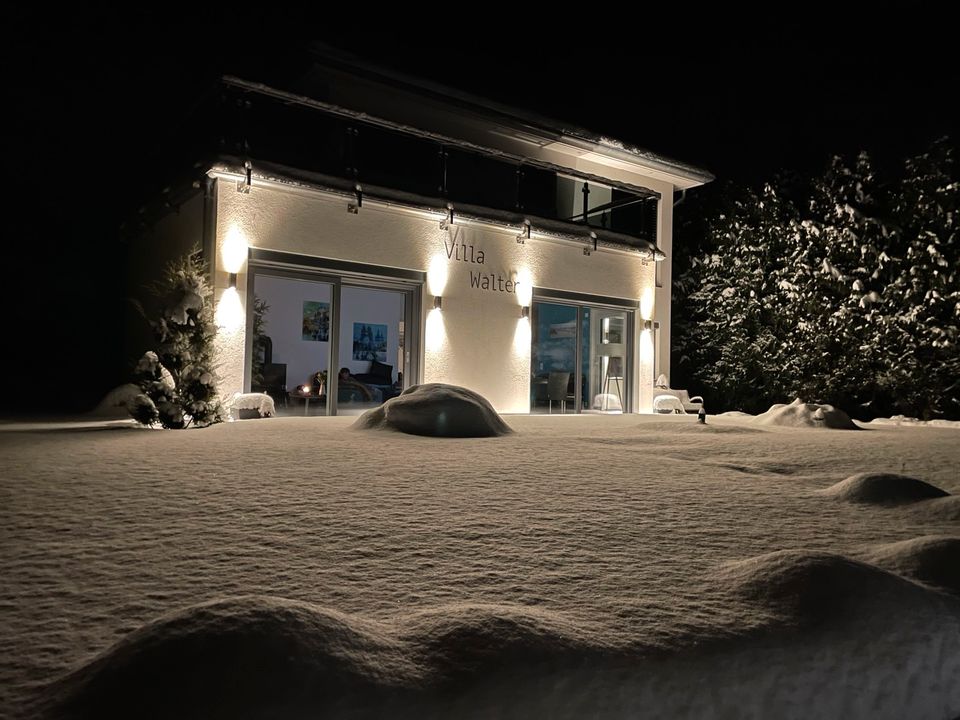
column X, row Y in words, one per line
column 347, row 381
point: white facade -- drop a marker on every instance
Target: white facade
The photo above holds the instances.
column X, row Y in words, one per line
column 478, row 339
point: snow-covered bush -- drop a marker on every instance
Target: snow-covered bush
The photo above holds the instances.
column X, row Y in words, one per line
column 843, row 290
column 177, row 380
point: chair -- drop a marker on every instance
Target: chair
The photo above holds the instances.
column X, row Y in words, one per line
column 557, row 389
column 681, row 399
column 274, row 382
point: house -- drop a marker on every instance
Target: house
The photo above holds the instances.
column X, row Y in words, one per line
column 411, row 233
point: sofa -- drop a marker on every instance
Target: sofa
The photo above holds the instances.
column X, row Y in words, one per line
column 380, row 376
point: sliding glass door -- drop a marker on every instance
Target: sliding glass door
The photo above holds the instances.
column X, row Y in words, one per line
column 292, row 340
column 323, row 344
column 579, row 358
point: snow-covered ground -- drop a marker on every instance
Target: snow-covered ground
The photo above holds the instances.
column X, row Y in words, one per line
column 614, row 566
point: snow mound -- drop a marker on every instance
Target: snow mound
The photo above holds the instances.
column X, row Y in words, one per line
column 479, row 637
column 269, row 657
column 806, row 588
column 115, row 402
column 801, row 414
column 437, row 410
column 933, row 559
column 912, row 421
column 883, row 489
column 942, row 509
column 234, row 658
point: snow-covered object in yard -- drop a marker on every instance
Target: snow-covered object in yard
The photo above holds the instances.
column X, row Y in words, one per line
column 668, row 404
column 261, row 402
column 932, row 559
column 437, row 410
column 883, row 489
column 801, row 414
column 116, row 402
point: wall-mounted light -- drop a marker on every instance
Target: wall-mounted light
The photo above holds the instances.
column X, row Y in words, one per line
column 438, row 303
column 354, row 207
column 592, row 246
column 651, row 324
column 524, row 233
column 232, row 280
column 525, row 311
column 243, row 185
column 448, row 220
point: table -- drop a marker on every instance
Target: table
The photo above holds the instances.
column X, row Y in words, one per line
column 296, row 395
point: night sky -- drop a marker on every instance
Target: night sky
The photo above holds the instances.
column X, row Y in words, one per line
column 89, row 104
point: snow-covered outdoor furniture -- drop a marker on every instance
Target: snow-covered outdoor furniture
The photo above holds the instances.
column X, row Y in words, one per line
column 680, row 399
column 245, row 406
column 668, row 404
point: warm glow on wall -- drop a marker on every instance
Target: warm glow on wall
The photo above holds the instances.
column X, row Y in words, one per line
column 646, row 347
column 524, row 287
column 436, row 332
column 521, row 338
column 233, row 253
column 437, row 274
column 229, row 315
column 646, row 304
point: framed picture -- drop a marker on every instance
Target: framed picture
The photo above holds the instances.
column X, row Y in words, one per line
column 369, row 342
column 316, row 321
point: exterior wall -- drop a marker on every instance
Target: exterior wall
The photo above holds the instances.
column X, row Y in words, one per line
column 478, row 339
column 662, row 296
column 171, row 237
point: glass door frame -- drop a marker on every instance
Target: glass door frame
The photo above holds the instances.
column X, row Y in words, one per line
column 338, row 273
column 584, row 300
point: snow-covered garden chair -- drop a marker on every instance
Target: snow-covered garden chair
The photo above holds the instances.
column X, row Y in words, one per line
column 667, row 399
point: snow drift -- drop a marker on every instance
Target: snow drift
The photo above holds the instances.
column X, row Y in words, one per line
column 236, row 658
column 883, row 489
column 262, row 657
column 942, row 509
column 933, row 559
column 803, row 587
column 437, row 410
column 801, row 414
column 269, row 657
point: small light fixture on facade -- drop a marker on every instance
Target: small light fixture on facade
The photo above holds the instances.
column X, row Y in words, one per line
column 524, row 233
column 354, row 207
column 651, row 324
column 243, row 186
column 438, row 303
column 232, row 280
column 659, row 255
column 525, row 311
column 592, row 246
column 448, row 220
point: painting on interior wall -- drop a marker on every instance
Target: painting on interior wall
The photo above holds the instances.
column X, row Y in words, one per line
column 369, row 342
column 316, row 321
